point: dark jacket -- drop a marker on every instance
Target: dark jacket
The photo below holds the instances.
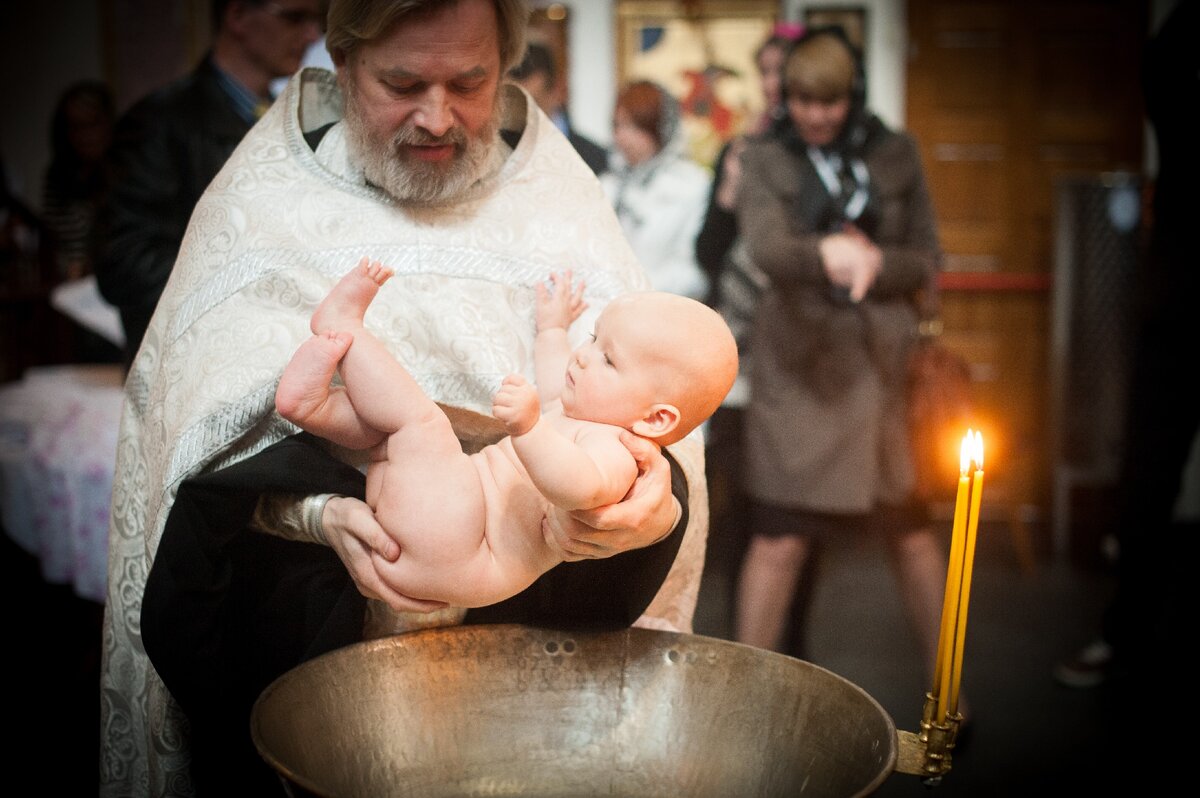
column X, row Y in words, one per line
column 718, row 232
column 826, row 421
column 166, row 150
column 595, row 156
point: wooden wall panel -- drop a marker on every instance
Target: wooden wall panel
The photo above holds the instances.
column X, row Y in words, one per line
column 1005, row 98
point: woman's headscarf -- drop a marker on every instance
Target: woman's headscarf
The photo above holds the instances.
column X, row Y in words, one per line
column 656, row 111
column 828, row 66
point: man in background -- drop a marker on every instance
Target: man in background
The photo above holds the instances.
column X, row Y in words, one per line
column 538, row 75
column 170, row 145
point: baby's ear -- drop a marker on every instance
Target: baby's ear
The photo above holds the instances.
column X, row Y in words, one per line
column 661, row 420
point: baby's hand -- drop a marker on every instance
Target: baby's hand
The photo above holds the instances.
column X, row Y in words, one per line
column 516, row 404
column 559, row 306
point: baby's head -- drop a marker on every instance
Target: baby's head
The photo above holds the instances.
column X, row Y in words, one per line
column 659, row 364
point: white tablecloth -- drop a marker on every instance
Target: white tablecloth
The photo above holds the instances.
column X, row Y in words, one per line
column 58, row 442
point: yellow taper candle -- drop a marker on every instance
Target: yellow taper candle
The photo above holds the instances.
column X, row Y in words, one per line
column 968, row 566
column 958, row 531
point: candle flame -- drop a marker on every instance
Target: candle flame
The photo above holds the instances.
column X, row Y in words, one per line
column 971, row 452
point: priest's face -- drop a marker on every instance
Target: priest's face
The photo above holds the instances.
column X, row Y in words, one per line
column 422, row 102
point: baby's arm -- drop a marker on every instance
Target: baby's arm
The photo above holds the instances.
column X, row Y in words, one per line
column 557, row 307
column 578, row 474
column 593, row 470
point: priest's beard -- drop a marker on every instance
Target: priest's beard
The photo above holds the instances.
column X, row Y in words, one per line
column 418, row 182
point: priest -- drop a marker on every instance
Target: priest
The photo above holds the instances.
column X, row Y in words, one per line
column 240, row 547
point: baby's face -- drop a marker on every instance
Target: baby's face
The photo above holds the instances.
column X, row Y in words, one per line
column 618, row 376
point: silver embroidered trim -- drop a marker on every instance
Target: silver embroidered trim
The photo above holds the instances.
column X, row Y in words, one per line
column 406, row 260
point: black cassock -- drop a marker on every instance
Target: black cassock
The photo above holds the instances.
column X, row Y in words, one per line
column 228, row 609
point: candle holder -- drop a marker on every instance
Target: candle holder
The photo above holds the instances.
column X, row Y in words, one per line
column 928, row 714
column 928, row 753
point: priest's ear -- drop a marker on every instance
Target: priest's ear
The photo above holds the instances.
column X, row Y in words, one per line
column 660, row 421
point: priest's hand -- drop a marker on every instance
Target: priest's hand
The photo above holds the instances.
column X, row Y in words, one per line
column 645, row 516
column 352, row 531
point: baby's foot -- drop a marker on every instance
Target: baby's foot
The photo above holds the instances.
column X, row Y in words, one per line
column 348, row 300
column 305, row 382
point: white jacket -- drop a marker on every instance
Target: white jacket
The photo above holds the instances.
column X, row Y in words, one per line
column 661, row 204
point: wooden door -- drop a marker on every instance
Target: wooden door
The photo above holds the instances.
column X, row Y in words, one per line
column 1004, row 99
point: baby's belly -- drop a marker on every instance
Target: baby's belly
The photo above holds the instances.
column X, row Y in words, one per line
column 511, row 502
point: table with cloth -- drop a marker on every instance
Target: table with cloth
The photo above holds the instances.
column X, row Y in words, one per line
column 58, row 444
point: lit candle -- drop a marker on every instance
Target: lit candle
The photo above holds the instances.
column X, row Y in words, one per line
column 942, row 666
column 968, row 563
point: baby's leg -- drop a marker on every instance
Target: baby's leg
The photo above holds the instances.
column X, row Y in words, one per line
column 384, row 394
column 306, row 398
column 346, row 303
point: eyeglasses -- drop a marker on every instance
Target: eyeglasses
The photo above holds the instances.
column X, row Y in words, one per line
column 295, row 17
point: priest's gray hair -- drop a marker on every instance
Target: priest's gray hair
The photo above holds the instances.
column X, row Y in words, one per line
column 352, row 23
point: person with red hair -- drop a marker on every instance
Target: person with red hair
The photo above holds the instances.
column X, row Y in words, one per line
column 659, row 193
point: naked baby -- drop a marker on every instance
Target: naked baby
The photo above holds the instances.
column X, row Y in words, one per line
column 469, row 526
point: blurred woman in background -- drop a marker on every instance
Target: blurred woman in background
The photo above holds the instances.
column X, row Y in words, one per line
column 735, row 284
column 658, row 192
column 80, row 132
column 835, row 210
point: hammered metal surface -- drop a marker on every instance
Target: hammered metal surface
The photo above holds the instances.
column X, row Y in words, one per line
column 513, row 710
